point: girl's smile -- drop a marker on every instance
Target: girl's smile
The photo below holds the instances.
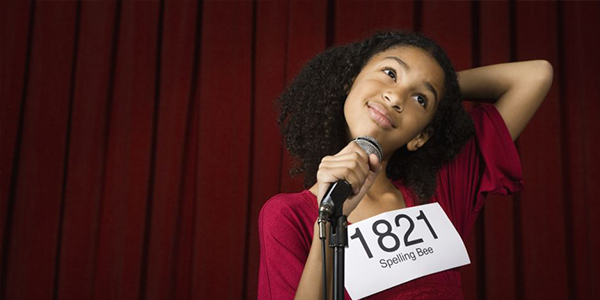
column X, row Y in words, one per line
column 381, row 116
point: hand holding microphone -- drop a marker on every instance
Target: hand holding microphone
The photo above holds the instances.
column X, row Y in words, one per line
column 344, row 178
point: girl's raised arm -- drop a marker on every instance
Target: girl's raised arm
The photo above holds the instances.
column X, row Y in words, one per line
column 518, row 88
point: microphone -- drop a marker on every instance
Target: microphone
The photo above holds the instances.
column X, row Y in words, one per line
column 338, row 192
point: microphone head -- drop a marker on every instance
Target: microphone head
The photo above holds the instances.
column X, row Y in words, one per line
column 370, row 145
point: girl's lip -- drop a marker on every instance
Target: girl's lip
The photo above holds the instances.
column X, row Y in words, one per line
column 380, row 115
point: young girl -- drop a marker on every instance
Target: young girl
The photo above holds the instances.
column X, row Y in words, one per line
column 401, row 89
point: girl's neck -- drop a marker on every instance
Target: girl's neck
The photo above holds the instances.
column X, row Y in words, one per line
column 383, row 196
column 382, row 187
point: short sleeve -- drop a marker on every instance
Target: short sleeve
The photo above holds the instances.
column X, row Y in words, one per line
column 285, row 233
column 502, row 172
column 487, row 164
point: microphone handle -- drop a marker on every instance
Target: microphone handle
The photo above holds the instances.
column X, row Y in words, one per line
column 335, row 196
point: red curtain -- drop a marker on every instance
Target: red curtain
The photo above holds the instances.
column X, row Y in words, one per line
column 139, row 141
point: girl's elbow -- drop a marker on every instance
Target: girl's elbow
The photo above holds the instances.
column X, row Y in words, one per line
column 544, row 73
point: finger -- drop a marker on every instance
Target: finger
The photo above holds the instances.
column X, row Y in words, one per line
column 350, row 160
column 358, row 167
column 330, row 175
column 353, row 200
column 327, row 176
column 349, row 155
column 354, row 147
column 374, row 163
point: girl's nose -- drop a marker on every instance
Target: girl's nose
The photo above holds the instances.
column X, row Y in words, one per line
column 394, row 100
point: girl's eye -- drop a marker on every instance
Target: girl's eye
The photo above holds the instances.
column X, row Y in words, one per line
column 421, row 100
column 390, row 72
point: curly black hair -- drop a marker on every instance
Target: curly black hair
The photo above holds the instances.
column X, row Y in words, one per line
column 311, row 113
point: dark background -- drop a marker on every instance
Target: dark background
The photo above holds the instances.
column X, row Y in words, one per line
column 139, row 141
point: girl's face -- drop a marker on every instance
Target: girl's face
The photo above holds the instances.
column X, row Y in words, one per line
column 394, row 97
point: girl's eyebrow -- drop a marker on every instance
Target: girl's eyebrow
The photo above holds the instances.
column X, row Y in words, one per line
column 431, row 89
column 406, row 67
column 400, row 62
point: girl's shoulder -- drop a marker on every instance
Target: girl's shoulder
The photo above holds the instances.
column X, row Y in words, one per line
column 283, row 202
column 289, row 218
column 294, row 209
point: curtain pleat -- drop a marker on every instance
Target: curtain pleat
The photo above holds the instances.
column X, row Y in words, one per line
column 498, row 216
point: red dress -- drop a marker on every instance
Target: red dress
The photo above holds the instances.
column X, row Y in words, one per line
column 488, row 163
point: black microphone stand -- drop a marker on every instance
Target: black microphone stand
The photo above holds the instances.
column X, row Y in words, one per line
column 332, row 206
column 331, row 210
column 338, row 240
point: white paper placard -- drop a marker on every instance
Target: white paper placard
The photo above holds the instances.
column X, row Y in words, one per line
column 398, row 246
